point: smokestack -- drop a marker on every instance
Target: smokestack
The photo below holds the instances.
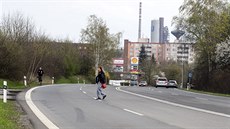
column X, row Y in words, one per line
column 139, row 29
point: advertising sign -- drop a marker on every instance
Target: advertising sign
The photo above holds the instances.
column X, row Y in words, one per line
column 118, row 61
column 134, row 60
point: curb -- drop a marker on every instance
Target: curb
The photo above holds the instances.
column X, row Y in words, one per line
column 33, row 119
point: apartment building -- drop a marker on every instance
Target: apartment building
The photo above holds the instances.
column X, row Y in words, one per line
column 162, row 52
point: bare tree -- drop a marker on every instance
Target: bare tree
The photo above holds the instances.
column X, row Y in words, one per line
column 102, row 43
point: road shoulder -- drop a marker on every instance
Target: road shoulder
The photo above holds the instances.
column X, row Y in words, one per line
column 29, row 118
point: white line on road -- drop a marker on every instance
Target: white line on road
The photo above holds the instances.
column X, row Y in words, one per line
column 133, row 112
column 37, row 112
column 175, row 104
column 84, row 92
column 201, row 98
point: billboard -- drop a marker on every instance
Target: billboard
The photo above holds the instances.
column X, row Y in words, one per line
column 118, row 69
column 118, row 61
column 118, row 65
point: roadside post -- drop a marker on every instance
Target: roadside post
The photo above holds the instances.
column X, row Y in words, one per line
column 25, row 82
column 84, row 81
column 188, row 86
column 78, row 80
column 189, row 80
column 52, row 80
column 4, row 91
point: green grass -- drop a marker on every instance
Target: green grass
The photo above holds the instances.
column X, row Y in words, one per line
column 209, row 93
column 72, row 79
column 12, row 85
column 46, row 81
column 9, row 116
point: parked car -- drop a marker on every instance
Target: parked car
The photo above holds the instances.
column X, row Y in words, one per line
column 172, row 83
column 162, row 82
column 143, row 83
column 133, row 83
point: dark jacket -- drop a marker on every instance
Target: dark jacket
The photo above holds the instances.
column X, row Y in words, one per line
column 100, row 77
column 40, row 72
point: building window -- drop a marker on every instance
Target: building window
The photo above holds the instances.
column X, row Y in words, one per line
column 131, row 53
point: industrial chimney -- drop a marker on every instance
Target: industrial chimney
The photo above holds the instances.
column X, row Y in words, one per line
column 139, row 28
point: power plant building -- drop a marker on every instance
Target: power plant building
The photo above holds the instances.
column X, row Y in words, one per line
column 159, row 33
column 155, row 31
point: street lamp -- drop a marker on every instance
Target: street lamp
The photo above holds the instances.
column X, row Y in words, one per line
column 178, row 33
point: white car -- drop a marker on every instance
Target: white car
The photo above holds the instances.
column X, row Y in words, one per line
column 172, row 83
column 143, row 83
column 162, row 82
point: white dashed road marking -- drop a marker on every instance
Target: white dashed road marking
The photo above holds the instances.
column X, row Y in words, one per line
column 201, row 98
column 139, row 114
column 175, row 104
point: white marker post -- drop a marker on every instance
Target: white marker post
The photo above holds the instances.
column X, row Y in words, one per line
column 4, row 91
column 188, row 86
column 52, row 80
column 84, row 81
column 25, row 82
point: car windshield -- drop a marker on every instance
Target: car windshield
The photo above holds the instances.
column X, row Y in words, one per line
column 161, row 79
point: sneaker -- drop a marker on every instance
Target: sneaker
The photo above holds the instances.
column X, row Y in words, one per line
column 104, row 96
column 98, row 98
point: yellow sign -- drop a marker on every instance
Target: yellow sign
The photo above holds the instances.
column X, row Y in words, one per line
column 134, row 60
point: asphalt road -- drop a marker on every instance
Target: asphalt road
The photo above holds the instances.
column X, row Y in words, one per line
column 74, row 107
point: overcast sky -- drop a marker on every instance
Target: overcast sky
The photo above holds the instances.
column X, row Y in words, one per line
column 66, row 18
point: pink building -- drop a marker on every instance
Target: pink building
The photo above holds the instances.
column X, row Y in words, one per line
column 162, row 52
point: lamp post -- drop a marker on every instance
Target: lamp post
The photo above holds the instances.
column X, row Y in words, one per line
column 178, row 33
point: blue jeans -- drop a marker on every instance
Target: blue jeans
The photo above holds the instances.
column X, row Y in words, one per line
column 99, row 90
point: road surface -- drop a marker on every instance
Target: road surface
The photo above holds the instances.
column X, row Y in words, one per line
column 75, row 107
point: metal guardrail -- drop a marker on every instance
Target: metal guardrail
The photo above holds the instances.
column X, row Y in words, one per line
column 11, row 93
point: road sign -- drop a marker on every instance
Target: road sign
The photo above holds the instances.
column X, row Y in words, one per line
column 134, row 60
column 190, row 74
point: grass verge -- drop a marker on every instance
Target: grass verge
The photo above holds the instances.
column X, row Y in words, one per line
column 209, row 93
column 73, row 79
column 9, row 116
column 12, row 85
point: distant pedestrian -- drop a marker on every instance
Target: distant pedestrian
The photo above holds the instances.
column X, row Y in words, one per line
column 100, row 79
column 40, row 73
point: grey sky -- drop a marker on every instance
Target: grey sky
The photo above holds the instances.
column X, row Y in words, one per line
column 66, row 18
